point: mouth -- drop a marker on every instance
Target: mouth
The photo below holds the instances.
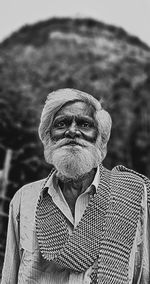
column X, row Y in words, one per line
column 72, row 143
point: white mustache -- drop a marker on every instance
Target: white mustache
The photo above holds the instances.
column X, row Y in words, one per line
column 65, row 141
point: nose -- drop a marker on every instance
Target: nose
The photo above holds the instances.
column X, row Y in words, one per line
column 73, row 131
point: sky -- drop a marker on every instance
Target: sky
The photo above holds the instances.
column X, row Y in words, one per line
column 132, row 15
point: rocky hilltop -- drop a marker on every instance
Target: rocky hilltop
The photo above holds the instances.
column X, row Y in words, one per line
column 80, row 53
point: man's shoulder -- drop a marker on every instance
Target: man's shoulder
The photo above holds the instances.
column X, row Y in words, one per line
column 28, row 192
column 36, row 185
column 32, row 187
column 127, row 174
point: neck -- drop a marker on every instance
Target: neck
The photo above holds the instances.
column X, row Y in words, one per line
column 73, row 188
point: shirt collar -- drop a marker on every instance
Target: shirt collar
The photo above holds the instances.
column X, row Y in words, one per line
column 52, row 183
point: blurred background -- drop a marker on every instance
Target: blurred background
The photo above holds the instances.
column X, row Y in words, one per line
column 101, row 47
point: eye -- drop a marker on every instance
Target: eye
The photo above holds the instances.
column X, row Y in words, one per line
column 60, row 124
column 85, row 124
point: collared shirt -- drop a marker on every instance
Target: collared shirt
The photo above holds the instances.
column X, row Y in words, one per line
column 23, row 260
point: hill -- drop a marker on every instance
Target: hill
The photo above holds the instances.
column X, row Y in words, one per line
column 80, row 53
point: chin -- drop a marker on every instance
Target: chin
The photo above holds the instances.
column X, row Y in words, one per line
column 74, row 162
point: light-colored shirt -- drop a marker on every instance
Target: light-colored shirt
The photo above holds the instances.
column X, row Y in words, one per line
column 23, row 260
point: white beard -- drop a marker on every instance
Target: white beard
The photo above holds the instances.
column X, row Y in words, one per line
column 72, row 162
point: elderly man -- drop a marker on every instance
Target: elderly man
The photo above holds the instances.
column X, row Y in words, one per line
column 83, row 223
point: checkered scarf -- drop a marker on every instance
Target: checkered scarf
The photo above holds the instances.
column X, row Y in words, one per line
column 102, row 233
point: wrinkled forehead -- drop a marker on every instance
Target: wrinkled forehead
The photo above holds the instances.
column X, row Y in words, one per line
column 76, row 108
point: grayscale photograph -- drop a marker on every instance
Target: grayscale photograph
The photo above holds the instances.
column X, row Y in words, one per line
column 74, row 142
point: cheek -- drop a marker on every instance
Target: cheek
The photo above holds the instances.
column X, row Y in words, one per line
column 57, row 134
column 91, row 135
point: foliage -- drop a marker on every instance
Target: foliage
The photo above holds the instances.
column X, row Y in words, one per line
column 84, row 54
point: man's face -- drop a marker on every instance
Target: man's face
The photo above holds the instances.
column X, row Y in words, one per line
column 72, row 145
column 74, row 121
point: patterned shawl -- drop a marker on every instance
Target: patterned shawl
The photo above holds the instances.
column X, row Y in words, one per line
column 103, row 231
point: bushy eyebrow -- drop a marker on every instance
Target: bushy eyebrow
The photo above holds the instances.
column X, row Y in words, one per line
column 79, row 117
column 79, row 120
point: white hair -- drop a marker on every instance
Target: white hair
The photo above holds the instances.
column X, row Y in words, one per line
column 57, row 99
